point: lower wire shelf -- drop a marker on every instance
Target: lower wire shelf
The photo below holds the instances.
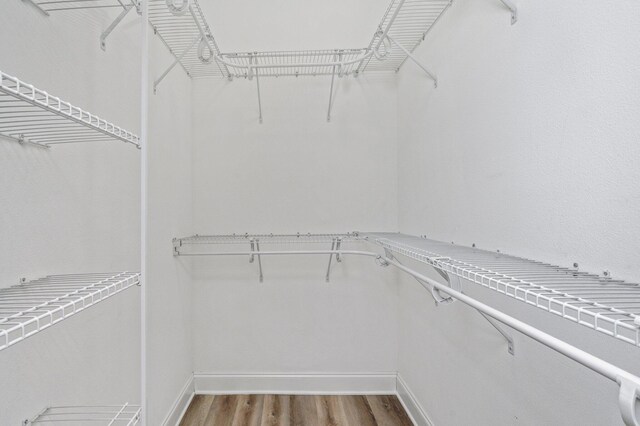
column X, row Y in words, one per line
column 108, row 415
column 603, row 304
column 29, row 308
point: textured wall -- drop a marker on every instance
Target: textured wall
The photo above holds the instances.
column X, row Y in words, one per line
column 294, row 173
column 529, row 145
column 72, row 208
column 170, row 206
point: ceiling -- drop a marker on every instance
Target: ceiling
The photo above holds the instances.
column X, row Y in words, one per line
column 267, row 25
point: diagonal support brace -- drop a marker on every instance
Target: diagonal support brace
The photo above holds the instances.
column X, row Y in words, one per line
column 514, row 10
column 415, row 60
column 507, row 336
column 175, row 62
column 333, row 248
column 114, row 24
column 37, row 6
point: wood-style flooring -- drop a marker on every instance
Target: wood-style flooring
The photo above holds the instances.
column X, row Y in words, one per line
column 295, row 410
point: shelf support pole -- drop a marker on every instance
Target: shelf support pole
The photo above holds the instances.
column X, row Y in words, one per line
column 254, row 71
column 333, row 78
column 259, row 260
column 514, row 10
column 175, row 62
column 333, row 248
column 114, row 24
column 415, row 60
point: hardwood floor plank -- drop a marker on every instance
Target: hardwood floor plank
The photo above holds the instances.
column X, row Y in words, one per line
column 197, row 411
column 295, row 410
column 275, row 410
column 222, row 411
column 329, row 410
column 248, row 410
column 303, row 411
column 388, row 410
column 357, row 411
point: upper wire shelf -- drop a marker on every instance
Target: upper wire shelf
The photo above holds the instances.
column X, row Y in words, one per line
column 182, row 27
column 31, row 115
column 603, row 304
column 187, row 35
column 48, row 6
column 99, row 415
column 407, row 22
column 29, row 308
column 294, row 63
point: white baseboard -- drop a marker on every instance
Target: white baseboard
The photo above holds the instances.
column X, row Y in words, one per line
column 181, row 404
column 334, row 384
column 411, row 404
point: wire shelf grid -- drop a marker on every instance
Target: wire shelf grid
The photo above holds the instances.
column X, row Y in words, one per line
column 408, row 23
column 30, row 115
column 29, row 308
column 105, row 415
column 295, row 63
column 267, row 239
column 182, row 34
column 603, row 304
column 48, row 6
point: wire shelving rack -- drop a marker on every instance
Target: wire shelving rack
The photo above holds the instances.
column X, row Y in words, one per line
column 298, row 238
column 48, row 6
column 99, row 415
column 188, row 37
column 294, row 63
column 33, row 116
column 407, row 23
column 609, row 306
column 26, row 309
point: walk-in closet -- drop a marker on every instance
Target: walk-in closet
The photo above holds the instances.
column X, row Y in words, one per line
column 319, row 213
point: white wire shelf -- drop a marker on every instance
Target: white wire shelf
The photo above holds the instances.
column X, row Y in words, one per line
column 106, row 415
column 30, row 115
column 267, row 238
column 407, row 22
column 29, row 308
column 48, row 6
column 186, row 245
column 188, row 37
column 294, row 63
column 603, row 304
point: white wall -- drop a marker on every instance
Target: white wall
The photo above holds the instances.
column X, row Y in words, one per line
column 294, row 173
column 169, row 213
column 529, row 145
column 72, row 208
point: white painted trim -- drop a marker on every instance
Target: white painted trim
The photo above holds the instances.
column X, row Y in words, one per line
column 300, row 384
column 411, row 404
column 181, row 404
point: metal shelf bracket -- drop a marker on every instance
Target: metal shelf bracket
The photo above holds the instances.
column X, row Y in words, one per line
column 114, row 24
column 507, row 336
column 514, row 10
